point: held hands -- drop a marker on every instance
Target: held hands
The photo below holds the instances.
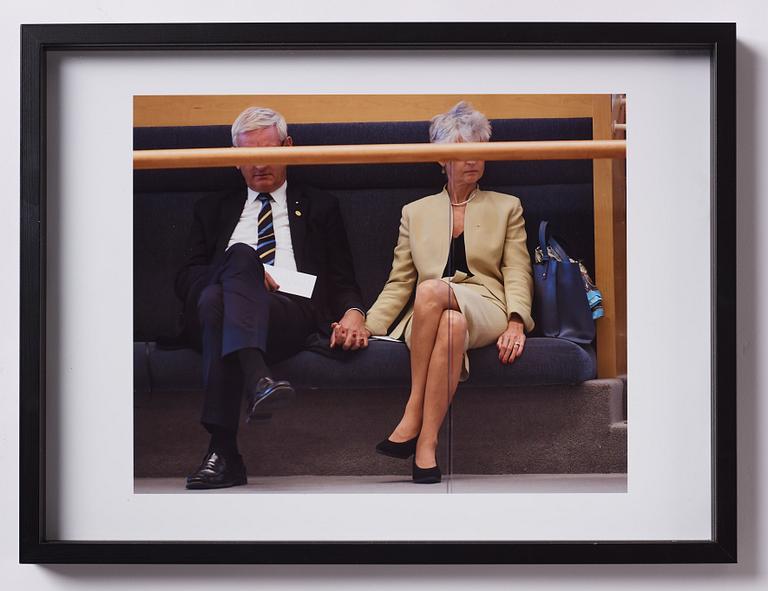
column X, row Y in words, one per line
column 512, row 341
column 270, row 283
column 350, row 333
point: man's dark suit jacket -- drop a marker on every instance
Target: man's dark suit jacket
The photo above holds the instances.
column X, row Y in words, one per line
column 319, row 240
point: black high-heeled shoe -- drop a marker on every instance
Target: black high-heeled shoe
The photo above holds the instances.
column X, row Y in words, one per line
column 401, row 451
column 426, row 475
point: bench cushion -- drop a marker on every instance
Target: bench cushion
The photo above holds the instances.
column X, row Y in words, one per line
column 384, row 364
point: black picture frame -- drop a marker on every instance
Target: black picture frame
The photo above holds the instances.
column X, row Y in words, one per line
column 40, row 40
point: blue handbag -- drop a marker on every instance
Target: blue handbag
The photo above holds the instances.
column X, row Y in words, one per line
column 561, row 308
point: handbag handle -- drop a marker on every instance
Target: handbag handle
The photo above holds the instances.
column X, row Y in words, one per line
column 543, row 240
column 546, row 240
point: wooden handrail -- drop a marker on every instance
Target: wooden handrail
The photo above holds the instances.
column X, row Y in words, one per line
column 380, row 153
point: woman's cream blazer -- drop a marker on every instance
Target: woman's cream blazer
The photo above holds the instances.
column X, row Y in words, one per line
column 497, row 257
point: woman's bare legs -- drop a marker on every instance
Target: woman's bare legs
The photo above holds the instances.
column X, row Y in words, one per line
column 433, row 297
column 442, row 380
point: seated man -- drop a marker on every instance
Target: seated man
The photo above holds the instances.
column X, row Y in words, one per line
column 233, row 310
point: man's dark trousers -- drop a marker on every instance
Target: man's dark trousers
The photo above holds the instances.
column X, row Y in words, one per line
column 235, row 310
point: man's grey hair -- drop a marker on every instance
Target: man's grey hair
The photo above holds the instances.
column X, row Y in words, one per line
column 254, row 118
column 461, row 124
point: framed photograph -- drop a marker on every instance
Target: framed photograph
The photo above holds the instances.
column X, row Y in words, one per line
column 613, row 443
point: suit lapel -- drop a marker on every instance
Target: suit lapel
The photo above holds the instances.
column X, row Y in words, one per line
column 231, row 210
column 298, row 209
column 472, row 222
column 444, row 217
column 435, row 238
column 479, row 219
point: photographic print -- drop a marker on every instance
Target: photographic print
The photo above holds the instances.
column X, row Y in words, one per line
column 348, row 412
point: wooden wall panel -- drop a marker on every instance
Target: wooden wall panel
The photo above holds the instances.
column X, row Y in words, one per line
column 610, row 250
column 620, row 261
column 222, row 110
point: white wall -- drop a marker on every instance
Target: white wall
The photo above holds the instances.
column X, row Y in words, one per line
column 752, row 572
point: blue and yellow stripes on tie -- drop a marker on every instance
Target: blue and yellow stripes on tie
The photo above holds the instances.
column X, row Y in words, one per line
column 266, row 242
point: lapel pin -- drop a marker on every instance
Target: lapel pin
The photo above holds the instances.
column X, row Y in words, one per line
column 297, row 212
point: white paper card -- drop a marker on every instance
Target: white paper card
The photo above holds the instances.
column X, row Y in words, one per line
column 295, row 282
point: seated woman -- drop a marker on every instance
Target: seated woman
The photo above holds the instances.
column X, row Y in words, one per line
column 464, row 250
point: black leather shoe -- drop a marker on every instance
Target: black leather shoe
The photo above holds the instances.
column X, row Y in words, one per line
column 218, row 471
column 279, row 393
column 402, row 451
column 426, row 475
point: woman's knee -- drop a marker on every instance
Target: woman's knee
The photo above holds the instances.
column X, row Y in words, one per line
column 453, row 327
column 432, row 293
column 210, row 305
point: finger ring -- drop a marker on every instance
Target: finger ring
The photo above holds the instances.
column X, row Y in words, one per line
column 516, row 345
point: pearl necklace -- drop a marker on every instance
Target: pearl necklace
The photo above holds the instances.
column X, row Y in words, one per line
column 467, row 200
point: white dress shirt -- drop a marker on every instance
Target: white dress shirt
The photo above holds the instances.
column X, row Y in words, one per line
column 247, row 229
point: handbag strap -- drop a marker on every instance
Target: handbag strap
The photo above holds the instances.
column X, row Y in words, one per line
column 545, row 241
column 543, row 225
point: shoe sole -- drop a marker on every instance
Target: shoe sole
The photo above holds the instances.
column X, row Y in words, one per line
column 391, row 455
column 279, row 398
column 427, row 481
column 205, row 486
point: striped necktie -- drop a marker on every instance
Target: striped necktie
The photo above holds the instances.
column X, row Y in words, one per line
column 265, row 246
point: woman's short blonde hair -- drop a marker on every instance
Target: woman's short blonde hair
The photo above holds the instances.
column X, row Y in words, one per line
column 254, row 118
column 461, row 124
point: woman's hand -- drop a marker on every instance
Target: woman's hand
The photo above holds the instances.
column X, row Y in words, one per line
column 350, row 333
column 512, row 341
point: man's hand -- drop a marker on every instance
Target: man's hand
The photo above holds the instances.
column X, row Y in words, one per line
column 350, row 333
column 270, row 283
column 512, row 341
